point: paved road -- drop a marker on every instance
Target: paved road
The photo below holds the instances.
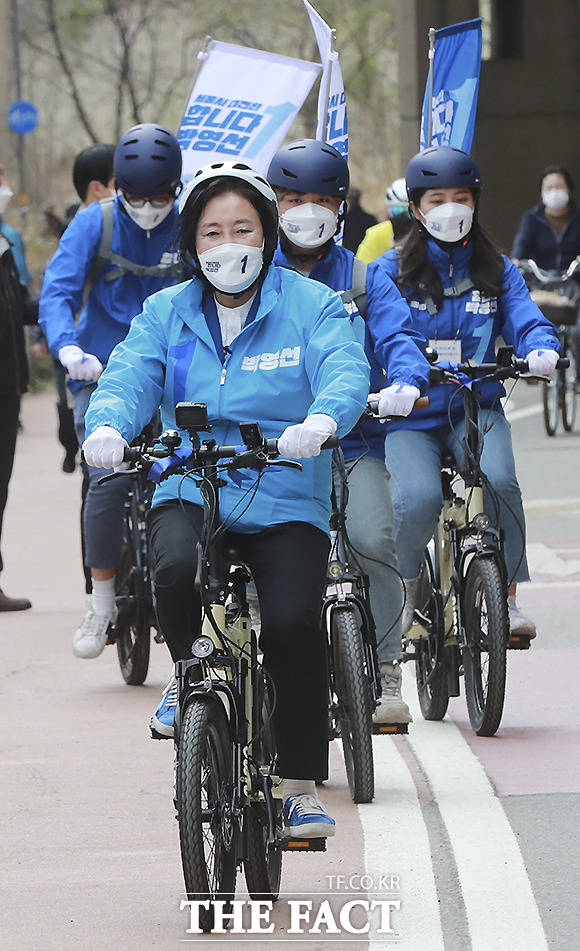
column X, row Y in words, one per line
column 476, row 838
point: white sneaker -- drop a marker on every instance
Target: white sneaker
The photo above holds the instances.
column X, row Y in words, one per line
column 519, row 623
column 90, row 638
column 392, row 708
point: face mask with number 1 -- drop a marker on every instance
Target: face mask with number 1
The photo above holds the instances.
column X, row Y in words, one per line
column 231, row 268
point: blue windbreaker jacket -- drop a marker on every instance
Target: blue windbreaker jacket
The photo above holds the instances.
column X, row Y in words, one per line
column 111, row 305
column 390, row 340
column 299, row 355
column 477, row 321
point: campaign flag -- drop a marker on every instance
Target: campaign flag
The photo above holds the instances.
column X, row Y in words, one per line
column 241, row 106
column 457, row 63
column 332, row 117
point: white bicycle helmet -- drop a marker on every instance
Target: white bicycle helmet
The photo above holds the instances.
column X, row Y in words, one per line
column 397, row 193
column 208, row 173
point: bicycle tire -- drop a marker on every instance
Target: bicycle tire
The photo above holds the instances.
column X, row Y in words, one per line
column 203, row 799
column 487, row 632
column 569, row 397
column 430, row 670
column 354, row 703
column 263, row 867
column 551, row 406
column 133, row 625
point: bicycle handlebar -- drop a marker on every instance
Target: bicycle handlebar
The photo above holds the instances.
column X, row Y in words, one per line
column 548, row 277
column 491, row 371
column 372, row 410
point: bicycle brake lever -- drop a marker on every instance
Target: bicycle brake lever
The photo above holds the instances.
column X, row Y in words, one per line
column 116, row 475
column 287, row 463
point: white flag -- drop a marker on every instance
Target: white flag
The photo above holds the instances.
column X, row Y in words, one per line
column 335, row 129
column 241, row 106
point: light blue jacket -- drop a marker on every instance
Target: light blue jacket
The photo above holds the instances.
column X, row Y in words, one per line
column 299, row 355
column 392, row 345
column 475, row 320
column 18, row 252
column 111, row 305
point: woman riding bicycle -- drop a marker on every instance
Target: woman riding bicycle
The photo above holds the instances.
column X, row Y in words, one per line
column 254, row 342
column 463, row 294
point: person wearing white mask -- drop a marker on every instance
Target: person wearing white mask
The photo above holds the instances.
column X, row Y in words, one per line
column 463, row 294
column 11, row 234
column 113, row 254
column 252, row 341
column 549, row 234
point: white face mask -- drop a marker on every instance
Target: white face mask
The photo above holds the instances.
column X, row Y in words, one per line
column 231, row 268
column 309, row 225
column 449, row 222
column 556, row 198
column 6, row 194
column 147, row 217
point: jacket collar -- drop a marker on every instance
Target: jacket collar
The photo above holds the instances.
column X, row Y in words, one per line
column 458, row 256
column 322, row 268
column 188, row 303
column 539, row 211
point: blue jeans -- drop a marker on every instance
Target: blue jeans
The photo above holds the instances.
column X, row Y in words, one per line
column 414, row 460
column 103, row 508
column 370, row 526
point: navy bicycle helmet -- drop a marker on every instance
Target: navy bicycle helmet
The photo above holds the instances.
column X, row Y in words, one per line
column 310, row 166
column 442, row 167
column 147, row 161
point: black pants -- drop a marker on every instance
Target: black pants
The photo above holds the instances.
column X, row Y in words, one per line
column 288, row 564
column 9, row 410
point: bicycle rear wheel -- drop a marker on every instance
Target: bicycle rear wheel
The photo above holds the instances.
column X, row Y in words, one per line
column 487, row 633
column 430, row 669
column 551, row 404
column 208, row 834
column 263, row 865
column 569, row 397
column 354, row 703
column 133, row 625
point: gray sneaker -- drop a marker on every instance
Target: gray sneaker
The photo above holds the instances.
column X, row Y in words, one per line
column 519, row 623
column 392, row 708
column 91, row 637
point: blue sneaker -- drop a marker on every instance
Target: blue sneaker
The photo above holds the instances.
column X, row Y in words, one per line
column 162, row 720
column 305, row 817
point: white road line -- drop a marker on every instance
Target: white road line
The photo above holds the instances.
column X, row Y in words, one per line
column 500, row 905
column 548, row 506
column 544, row 560
column 396, row 841
column 513, row 415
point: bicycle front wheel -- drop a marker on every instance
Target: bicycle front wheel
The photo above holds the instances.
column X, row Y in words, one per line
column 569, row 397
column 551, row 404
column 208, row 834
column 354, row 703
column 487, row 633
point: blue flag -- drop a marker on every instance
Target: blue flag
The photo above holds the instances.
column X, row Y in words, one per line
column 457, row 64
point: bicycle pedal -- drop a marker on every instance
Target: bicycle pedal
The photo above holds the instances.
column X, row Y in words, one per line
column 288, row 844
column 519, row 642
column 389, row 729
column 158, row 638
column 111, row 637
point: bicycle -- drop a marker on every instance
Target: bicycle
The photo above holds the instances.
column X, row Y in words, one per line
column 131, row 632
column 461, row 619
column 228, row 797
column 558, row 297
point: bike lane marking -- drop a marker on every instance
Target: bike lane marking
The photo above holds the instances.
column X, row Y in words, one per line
column 396, row 840
column 499, row 901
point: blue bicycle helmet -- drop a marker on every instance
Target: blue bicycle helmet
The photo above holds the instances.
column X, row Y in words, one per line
column 310, row 166
column 442, row 167
column 147, row 161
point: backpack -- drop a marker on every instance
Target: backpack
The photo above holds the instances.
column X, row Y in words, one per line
column 123, row 265
column 357, row 293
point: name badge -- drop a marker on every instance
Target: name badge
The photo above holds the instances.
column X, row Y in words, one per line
column 447, row 350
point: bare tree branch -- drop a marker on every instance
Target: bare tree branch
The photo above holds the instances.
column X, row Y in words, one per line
column 54, row 31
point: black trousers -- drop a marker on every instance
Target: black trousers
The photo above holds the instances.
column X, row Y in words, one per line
column 288, row 564
column 9, row 411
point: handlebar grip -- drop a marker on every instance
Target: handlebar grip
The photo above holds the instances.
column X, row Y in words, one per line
column 563, row 363
column 131, row 454
column 421, row 403
column 333, row 442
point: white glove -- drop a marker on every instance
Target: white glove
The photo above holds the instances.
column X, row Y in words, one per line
column 397, row 399
column 542, row 362
column 80, row 365
column 305, row 439
column 104, row 449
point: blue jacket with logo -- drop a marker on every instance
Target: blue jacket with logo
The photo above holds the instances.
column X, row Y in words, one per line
column 537, row 239
column 476, row 321
column 298, row 355
column 391, row 344
column 111, row 305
